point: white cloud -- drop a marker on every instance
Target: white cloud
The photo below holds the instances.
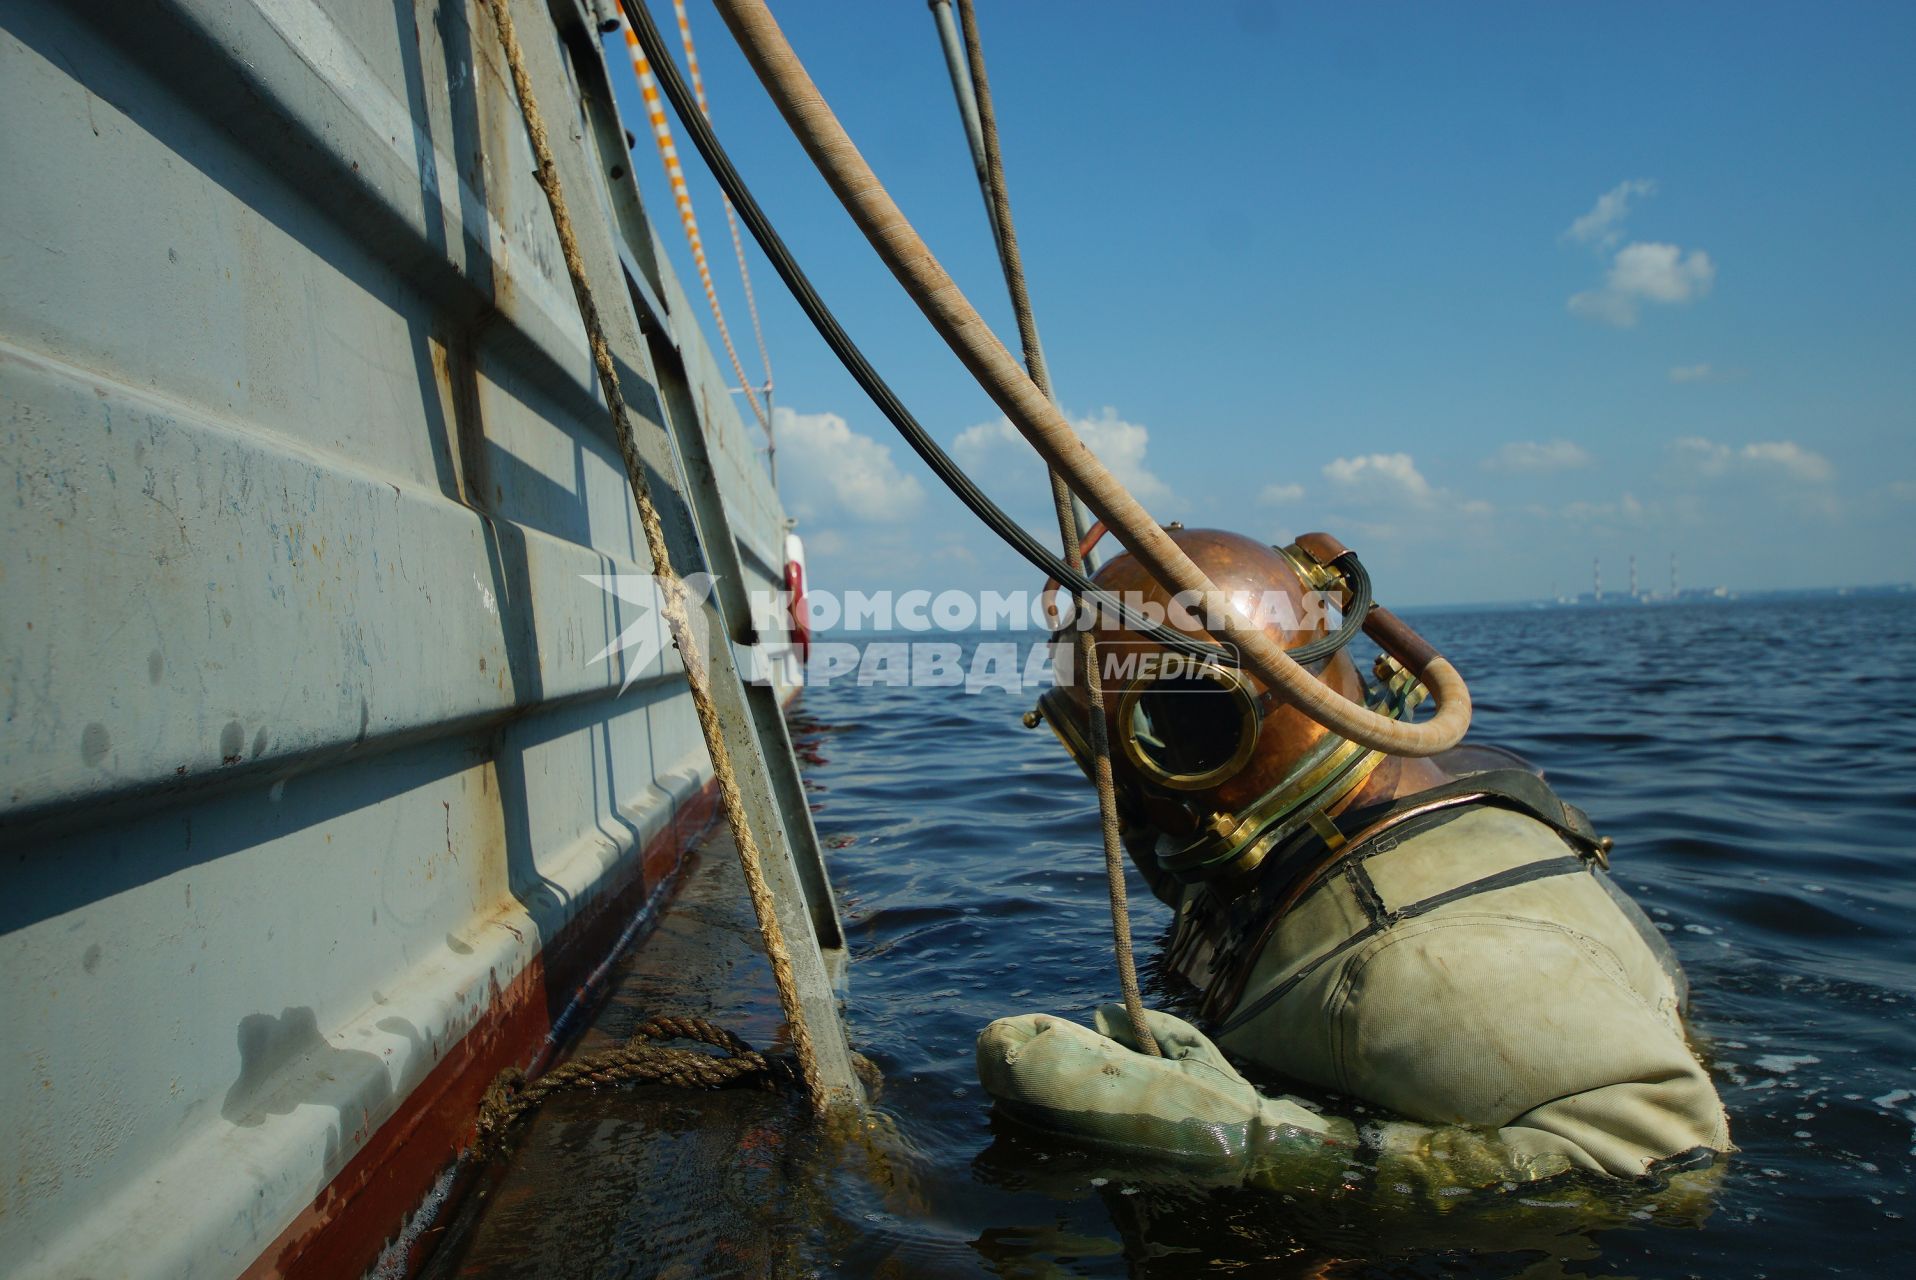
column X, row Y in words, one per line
column 975, row 444
column 1792, row 459
column 1278, row 495
column 1646, row 273
column 1537, row 456
column 1640, row 273
column 1601, row 305
column 1120, row 445
column 1783, row 458
column 1706, row 456
column 1394, row 477
column 972, row 442
column 1603, row 225
column 1392, row 481
column 828, row 469
column 1383, row 475
column 1661, row 273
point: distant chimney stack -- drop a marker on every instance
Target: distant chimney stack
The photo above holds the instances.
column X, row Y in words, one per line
column 1596, row 579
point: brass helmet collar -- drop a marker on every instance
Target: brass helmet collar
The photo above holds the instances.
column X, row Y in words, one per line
column 1232, row 844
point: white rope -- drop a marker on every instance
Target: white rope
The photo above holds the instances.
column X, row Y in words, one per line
column 682, row 197
column 731, row 218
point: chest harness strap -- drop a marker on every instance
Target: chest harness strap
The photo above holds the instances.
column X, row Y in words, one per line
column 1315, row 859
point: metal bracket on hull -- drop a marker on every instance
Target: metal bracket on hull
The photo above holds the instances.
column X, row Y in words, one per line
column 767, row 719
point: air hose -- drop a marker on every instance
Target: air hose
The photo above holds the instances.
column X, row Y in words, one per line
column 914, row 434
column 1094, row 601
column 939, row 297
column 1039, row 421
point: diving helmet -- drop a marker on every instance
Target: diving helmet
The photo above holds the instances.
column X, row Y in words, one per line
column 1204, row 755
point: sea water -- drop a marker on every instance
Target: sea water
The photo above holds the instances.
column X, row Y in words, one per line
column 1755, row 762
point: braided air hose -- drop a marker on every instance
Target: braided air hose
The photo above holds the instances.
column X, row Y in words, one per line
column 1093, row 601
column 1005, row 230
column 1039, row 421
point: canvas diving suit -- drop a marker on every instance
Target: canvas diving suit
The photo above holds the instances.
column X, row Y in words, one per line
column 1438, row 937
column 1460, row 958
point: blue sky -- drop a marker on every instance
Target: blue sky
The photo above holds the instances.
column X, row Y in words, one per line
column 1487, row 291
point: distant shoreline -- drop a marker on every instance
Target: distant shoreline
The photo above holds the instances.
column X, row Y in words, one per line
column 1707, row 597
column 1696, row 596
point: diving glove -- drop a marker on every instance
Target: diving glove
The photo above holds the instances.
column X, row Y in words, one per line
column 1096, row 1086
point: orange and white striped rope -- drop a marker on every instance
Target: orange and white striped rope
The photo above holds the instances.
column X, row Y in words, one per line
column 675, row 175
column 731, row 218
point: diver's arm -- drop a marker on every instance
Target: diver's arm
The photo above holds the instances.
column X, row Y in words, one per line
column 1192, row 1106
column 1189, row 1106
column 1291, row 1144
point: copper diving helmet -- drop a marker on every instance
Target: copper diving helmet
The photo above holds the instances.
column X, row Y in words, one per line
column 1204, row 754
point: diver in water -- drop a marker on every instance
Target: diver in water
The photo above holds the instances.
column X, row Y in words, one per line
column 1438, row 937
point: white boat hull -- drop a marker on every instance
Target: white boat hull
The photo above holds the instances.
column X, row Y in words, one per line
column 317, row 802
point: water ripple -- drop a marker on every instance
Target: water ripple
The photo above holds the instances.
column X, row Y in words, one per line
column 1760, row 799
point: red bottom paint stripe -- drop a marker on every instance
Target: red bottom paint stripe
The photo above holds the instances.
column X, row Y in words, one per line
column 344, row 1229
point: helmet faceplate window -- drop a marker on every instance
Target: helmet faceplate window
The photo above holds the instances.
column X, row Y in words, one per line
column 1189, row 731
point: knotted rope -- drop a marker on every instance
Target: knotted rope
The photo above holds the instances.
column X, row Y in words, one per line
column 697, row 677
column 640, row 1060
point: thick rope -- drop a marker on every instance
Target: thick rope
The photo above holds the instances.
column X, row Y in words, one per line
column 673, row 85
column 938, row 296
column 638, row 1061
column 999, row 193
column 682, row 197
column 696, row 675
column 731, row 217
